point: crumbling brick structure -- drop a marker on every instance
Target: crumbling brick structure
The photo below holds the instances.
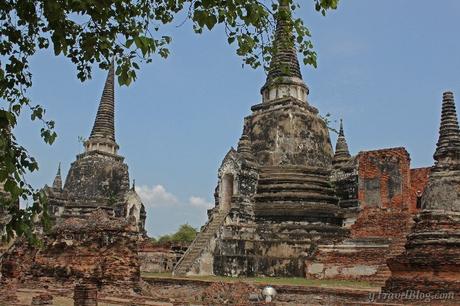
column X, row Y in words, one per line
column 160, row 258
column 380, row 217
column 98, row 219
column 99, row 248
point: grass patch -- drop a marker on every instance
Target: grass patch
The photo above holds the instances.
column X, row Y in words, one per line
column 293, row 281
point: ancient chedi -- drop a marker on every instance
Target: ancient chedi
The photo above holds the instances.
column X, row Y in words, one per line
column 98, row 219
column 431, row 261
column 274, row 200
column 99, row 178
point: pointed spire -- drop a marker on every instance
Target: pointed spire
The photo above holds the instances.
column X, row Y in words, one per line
column 244, row 147
column 102, row 136
column 342, row 154
column 134, row 185
column 341, row 133
column 104, row 124
column 284, row 62
column 284, row 67
column 57, row 184
column 448, row 146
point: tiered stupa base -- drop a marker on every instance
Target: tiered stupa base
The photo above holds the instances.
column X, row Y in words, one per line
column 431, row 262
column 294, row 211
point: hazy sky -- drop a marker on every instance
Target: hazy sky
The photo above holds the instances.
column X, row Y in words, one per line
column 382, row 67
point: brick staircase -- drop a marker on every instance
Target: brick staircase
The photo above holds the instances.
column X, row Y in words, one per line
column 198, row 245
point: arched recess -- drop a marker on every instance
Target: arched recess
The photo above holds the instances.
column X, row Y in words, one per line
column 227, row 191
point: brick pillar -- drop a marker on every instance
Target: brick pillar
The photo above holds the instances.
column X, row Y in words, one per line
column 85, row 295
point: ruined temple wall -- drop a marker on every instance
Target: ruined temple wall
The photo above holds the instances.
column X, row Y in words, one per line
column 99, row 248
column 384, row 178
column 159, row 258
column 387, row 201
column 381, row 223
column 418, row 180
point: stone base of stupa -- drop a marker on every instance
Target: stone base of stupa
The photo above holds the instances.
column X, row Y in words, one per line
column 431, row 261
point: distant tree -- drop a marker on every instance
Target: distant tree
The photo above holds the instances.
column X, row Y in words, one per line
column 94, row 32
column 186, row 233
column 164, row 239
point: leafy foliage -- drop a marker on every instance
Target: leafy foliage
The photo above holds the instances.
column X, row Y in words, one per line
column 185, row 234
column 94, row 32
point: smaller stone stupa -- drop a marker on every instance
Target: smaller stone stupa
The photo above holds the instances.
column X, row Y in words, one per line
column 431, row 261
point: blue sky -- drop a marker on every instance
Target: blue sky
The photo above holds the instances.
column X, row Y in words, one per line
column 382, row 67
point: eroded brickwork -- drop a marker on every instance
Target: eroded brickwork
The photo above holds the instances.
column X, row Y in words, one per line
column 384, row 178
column 382, row 223
column 160, row 258
column 418, row 180
column 99, row 248
column 386, row 205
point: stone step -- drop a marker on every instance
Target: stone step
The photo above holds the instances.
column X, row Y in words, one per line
column 281, row 176
column 296, row 170
column 274, row 189
column 292, row 181
column 199, row 244
column 292, row 185
column 296, row 196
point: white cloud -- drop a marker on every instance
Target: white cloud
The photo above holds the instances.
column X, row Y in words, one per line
column 156, row 196
column 199, row 202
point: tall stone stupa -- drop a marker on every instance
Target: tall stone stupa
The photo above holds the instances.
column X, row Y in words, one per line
column 274, row 200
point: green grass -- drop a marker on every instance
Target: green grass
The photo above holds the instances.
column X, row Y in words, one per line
column 294, row 281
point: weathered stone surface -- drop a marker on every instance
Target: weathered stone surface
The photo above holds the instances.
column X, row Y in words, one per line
column 284, row 77
column 342, row 154
column 99, row 178
column 274, row 199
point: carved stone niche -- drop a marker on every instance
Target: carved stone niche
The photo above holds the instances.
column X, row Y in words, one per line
column 228, row 175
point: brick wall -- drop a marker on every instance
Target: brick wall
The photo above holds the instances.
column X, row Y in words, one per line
column 384, row 178
column 418, row 180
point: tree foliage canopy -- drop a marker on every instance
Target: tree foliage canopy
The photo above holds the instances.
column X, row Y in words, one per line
column 92, row 33
column 185, row 234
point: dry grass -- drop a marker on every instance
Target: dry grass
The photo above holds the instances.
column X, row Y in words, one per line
column 293, row 281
